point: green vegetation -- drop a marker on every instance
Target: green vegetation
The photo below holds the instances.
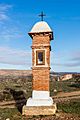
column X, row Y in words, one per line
column 14, row 114
column 20, row 87
column 64, row 86
column 72, row 106
column 15, row 86
column 11, row 113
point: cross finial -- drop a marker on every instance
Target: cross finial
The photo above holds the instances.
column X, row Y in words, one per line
column 42, row 15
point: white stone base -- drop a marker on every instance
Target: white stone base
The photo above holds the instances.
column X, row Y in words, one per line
column 40, row 98
column 39, row 102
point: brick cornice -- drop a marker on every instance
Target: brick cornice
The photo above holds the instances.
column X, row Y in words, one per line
column 50, row 34
column 40, row 68
column 41, row 45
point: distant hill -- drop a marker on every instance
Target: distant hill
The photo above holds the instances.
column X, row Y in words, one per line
column 6, row 72
column 62, row 73
column 15, row 72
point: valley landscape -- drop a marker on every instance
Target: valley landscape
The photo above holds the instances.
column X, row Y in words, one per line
column 16, row 88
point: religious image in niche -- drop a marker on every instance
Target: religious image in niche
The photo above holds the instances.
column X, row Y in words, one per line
column 40, row 57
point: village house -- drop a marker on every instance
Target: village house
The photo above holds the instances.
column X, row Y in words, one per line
column 66, row 77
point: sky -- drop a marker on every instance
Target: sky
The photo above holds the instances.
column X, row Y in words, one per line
column 17, row 17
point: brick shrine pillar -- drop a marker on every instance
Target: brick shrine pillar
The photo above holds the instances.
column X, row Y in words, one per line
column 40, row 103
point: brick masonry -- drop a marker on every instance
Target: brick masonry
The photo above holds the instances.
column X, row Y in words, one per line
column 41, row 79
column 41, row 41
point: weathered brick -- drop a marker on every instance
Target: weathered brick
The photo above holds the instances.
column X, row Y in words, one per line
column 41, row 74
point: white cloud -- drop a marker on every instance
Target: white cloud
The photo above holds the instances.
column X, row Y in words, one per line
column 3, row 16
column 75, row 56
column 68, row 64
column 3, row 11
column 4, row 7
column 10, row 33
column 15, row 57
column 65, row 62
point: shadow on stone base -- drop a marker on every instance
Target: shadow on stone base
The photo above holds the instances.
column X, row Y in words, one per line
column 39, row 110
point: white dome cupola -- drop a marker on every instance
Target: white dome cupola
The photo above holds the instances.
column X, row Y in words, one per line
column 41, row 27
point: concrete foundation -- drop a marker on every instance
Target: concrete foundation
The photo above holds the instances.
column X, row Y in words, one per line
column 39, row 110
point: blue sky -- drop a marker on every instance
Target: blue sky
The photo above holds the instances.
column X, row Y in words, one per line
column 17, row 18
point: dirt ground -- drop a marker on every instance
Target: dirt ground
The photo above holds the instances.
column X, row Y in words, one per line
column 58, row 116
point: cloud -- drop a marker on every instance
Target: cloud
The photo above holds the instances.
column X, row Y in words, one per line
column 3, row 16
column 76, row 56
column 3, row 11
column 72, row 64
column 4, row 7
column 15, row 57
column 10, row 33
column 72, row 60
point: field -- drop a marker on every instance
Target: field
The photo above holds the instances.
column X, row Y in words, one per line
column 15, row 88
column 66, row 111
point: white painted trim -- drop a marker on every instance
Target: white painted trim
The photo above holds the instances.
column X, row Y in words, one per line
column 46, row 65
column 41, row 45
column 40, row 94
